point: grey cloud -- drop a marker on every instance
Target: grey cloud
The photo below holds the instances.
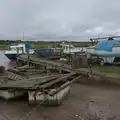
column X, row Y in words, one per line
column 59, row 19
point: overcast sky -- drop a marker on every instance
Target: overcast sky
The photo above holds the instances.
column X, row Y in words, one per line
column 59, row 19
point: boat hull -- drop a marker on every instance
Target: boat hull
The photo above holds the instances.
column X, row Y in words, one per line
column 11, row 56
column 114, row 53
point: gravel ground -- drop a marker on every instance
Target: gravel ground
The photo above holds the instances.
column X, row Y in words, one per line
column 85, row 102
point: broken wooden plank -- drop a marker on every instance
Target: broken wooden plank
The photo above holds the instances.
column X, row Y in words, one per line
column 34, row 72
column 16, row 72
column 26, row 67
column 43, row 62
column 64, row 86
column 27, row 84
column 57, row 80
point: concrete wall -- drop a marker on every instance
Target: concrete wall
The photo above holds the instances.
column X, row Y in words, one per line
column 37, row 97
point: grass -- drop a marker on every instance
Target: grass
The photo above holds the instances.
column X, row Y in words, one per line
column 57, row 44
column 109, row 69
column 4, row 47
column 37, row 44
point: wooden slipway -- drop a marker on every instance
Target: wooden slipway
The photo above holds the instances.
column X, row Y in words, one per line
column 46, row 63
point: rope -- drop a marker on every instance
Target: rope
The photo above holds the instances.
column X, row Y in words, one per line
column 30, row 112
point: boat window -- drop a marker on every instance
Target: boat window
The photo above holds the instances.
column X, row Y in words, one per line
column 117, row 59
column 13, row 48
column 20, row 48
column 110, row 38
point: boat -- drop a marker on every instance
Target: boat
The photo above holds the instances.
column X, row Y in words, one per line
column 105, row 48
column 17, row 50
column 108, row 50
column 70, row 49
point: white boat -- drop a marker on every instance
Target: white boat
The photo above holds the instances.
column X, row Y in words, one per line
column 70, row 49
column 18, row 50
column 108, row 51
column 115, row 52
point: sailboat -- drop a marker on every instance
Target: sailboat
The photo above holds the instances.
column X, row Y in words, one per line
column 108, row 50
column 105, row 48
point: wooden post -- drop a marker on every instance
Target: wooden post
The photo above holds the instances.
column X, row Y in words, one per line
column 17, row 52
column 90, row 68
column 28, row 59
column 60, row 71
column 22, row 51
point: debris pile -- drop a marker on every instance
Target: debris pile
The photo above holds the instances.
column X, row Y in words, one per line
column 52, row 87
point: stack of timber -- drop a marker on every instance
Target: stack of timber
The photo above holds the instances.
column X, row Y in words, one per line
column 50, row 88
column 9, row 77
column 16, row 74
column 40, row 83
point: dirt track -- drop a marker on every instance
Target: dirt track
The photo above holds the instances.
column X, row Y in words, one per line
column 84, row 101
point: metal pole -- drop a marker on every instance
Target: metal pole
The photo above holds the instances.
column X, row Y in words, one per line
column 23, row 35
column 70, row 52
column 70, row 47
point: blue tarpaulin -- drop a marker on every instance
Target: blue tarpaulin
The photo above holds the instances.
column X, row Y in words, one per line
column 27, row 46
column 106, row 45
column 44, row 52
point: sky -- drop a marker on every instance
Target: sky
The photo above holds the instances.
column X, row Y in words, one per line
column 77, row 20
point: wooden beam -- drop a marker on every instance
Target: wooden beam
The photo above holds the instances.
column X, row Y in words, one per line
column 64, row 86
column 28, row 84
column 16, row 72
column 65, row 77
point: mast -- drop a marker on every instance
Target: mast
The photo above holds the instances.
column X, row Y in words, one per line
column 23, row 35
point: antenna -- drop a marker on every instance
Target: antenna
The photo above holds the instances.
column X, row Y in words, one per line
column 23, row 35
column 111, row 37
